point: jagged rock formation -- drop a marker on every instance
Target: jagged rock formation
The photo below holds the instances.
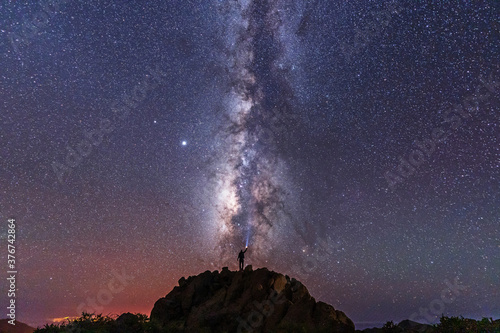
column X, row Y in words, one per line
column 245, row 301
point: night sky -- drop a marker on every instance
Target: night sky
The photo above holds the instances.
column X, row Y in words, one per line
column 354, row 145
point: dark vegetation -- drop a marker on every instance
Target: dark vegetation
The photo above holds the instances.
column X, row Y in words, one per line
column 140, row 323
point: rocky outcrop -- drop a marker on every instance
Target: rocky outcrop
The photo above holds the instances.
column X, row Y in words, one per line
column 245, row 301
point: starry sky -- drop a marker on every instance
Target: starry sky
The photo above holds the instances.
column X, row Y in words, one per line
column 353, row 145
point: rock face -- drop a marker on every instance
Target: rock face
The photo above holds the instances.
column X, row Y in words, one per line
column 245, row 301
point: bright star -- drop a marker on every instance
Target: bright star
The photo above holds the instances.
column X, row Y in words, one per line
column 184, row 143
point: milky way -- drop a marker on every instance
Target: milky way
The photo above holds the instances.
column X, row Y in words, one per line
column 250, row 178
column 213, row 122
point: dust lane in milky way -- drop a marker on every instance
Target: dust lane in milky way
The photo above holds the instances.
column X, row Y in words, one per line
column 250, row 177
column 296, row 125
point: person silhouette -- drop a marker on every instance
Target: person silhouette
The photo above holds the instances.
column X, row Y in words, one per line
column 241, row 257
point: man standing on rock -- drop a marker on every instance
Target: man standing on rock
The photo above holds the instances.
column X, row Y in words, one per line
column 241, row 257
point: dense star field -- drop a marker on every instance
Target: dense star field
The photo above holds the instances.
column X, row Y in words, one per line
column 354, row 145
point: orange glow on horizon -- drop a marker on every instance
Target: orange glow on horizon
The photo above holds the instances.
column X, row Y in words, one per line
column 62, row 319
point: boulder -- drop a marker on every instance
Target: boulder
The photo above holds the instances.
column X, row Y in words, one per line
column 245, row 301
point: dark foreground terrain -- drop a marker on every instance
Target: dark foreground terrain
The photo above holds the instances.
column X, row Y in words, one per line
column 5, row 327
column 248, row 301
column 139, row 323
